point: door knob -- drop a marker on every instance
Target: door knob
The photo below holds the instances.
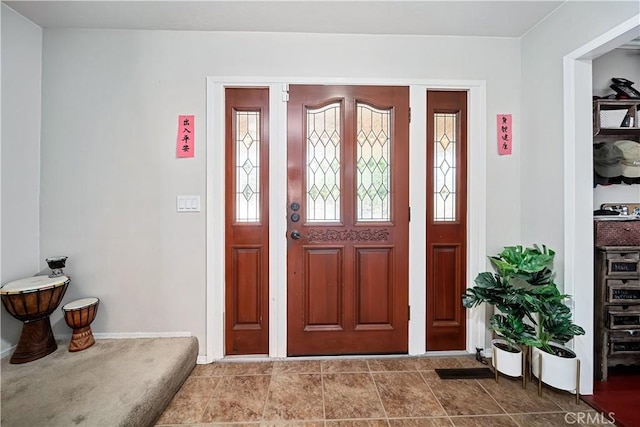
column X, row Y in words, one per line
column 295, row 235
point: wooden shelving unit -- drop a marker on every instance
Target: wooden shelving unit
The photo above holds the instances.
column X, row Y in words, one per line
column 603, row 107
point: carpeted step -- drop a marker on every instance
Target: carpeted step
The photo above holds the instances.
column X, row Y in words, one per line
column 123, row 382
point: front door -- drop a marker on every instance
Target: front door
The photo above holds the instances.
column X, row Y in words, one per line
column 348, row 214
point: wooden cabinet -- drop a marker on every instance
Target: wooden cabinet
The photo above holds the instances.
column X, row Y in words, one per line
column 609, row 115
column 617, row 307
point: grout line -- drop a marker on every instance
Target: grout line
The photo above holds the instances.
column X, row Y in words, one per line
column 204, row 410
column 266, row 398
column 375, row 385
column 324, row 406
column 491, row 396
column 446, row 414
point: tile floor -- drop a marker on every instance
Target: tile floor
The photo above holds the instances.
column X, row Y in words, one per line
column 351, row 392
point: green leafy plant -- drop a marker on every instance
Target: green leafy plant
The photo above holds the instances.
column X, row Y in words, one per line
column 532, row 265
column 531, row 309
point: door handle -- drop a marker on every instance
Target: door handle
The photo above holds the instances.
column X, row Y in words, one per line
column 295, row 235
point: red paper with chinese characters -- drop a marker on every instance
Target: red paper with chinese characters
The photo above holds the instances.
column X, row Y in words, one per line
column 505, row 134
column 186, row 136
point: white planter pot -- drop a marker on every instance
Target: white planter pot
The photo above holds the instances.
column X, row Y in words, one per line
column 559, row 372
column 509, row 363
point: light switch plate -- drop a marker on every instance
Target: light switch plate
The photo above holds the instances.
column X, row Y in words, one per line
column 188, row 203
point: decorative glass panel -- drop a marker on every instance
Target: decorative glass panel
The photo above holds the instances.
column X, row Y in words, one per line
column 444, row 168
column 323, row 164
column 374, row 170
column 247, row 166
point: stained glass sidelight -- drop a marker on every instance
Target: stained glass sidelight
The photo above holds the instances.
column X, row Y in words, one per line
column 444, row 167
column 323, row 164
column 374, row 169
column 247, row 166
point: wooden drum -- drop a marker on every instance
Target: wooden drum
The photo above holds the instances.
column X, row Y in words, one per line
column 79, row 314
column 32, row 300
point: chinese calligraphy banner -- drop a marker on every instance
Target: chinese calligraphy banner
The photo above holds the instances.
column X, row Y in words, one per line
column 504, row 134
column 186, row 136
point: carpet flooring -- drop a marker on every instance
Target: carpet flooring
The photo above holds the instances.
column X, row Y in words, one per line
column 124, row 382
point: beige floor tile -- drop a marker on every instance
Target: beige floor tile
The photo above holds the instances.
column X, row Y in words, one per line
column 420, row 422
column 545, row 420
column 469, row 362
column 484, row 421
column 198, row 387
column 564, row 399
column 295, row 397
column 182, row 410
column 297, row 367
column 514, row 399
column 405, row 394
column 249, row 368
column 355, row 392
column 209, row 370
column 351, row 396
column 238, row 399
column 292, row 424
column 344, row 365
column 430, row 363
column 461, row 397
column 357, row 423
column 390, row 365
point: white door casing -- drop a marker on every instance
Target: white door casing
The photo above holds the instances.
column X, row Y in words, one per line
column 215, row 219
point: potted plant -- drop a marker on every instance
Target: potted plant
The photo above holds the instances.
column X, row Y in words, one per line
column 531, row 313
column 520, row 274
column 551, row 361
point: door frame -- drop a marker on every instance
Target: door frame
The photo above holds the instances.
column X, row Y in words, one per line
column 578, row 173
column 215, row 211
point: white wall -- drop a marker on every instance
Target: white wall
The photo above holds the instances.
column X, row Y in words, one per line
column 109, row 173
column 617, row 63
column 570, row 27
column 21, row 106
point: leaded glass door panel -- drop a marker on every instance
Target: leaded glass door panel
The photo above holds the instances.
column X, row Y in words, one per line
column 347, row 219
column 247, row 221
column 446, row 193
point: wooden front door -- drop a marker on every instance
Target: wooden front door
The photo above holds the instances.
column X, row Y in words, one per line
column 247, row 221
column 348, row 217
column 446, row 188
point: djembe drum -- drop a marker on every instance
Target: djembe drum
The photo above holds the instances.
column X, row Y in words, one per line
column 32, row 300
column 79, row 314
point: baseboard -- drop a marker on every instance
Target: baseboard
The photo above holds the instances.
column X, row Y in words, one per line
column 125, row 335
column 7, row 352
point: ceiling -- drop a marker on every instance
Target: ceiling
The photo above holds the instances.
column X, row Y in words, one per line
column 393, row 17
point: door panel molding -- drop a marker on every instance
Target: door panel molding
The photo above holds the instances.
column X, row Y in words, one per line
column 323, row 274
